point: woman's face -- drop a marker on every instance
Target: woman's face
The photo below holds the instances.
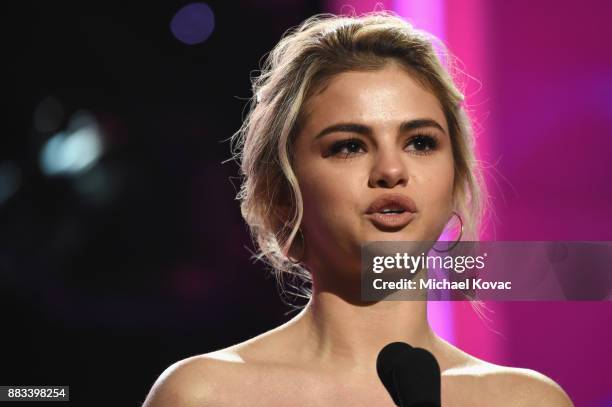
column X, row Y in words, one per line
column 364, row 135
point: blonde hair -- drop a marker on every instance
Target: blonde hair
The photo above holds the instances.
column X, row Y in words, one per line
column 307, row 56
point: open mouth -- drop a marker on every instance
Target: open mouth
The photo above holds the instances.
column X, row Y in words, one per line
column 392, row 211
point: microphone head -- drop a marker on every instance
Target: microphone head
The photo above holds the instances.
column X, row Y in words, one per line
column 389, row 358
column 410, row 375
column 418, row 383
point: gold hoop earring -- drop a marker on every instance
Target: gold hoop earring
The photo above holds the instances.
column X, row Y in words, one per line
column 458, row 239
column 303, row 249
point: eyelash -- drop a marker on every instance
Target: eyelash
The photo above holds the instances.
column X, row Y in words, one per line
column 432, row 145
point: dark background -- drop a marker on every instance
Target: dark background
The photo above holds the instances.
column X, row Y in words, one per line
column 104, row 287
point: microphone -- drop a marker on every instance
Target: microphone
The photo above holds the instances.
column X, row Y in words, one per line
column 410, row 375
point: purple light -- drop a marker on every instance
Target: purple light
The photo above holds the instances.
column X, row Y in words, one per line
column 193, row 23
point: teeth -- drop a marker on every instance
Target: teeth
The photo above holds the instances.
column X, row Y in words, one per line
column 392, row 211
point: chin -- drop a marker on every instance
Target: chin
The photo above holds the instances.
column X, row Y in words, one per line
column 408, row 232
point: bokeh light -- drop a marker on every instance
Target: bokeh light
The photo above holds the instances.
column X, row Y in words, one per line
column 193, row 23
column 73, row 151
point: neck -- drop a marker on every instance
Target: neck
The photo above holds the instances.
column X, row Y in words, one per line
column 351, row 334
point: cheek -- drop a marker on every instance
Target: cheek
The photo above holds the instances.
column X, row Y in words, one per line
column 438, row 187
column 435, row 189
column 330, row 198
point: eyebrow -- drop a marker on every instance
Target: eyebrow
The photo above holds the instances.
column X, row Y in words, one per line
column 366, row 131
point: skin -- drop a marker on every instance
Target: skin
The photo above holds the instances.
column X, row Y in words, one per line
column 326, row 355
column 338, row 188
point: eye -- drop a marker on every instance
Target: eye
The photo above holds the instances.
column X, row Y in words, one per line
column 423, row 144
column 346, row 148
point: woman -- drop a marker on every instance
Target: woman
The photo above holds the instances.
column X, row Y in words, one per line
column 351, row 116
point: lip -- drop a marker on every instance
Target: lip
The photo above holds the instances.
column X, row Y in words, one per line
column 391, row 220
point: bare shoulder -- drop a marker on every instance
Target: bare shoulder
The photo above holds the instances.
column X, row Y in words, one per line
column 517, row 387
column 215, row 379
column 474, row 379
column 193, row 381
column 528, row 387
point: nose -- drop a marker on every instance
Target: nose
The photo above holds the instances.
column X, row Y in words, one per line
column 389, row 169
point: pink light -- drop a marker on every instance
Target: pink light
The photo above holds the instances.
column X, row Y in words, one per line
column 359, row 6
column 466, row 36
column 428, row 15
